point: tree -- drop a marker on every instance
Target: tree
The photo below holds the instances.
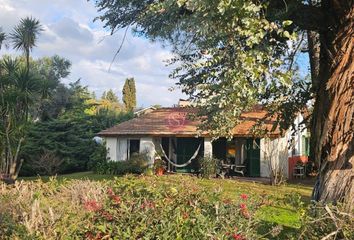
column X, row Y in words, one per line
column 24, row 36
column 18, row 86
column 129, row 94
column 17, row 89
column 110, row 96
column 2, row 37
column 54, row 95
column 234, row 54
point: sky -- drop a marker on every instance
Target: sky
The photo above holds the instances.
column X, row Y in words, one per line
column 70, row 32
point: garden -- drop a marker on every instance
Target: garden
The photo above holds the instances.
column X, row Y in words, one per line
column 91, row 206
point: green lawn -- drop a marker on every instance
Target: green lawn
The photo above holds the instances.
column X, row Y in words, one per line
column 279, row 210
column 80, row 175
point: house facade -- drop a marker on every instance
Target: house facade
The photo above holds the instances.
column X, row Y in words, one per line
column 169, row 133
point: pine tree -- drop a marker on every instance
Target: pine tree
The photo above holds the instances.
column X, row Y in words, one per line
column 110, row 96
column 129, row 94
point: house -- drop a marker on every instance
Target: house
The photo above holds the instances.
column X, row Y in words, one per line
column 169, row 132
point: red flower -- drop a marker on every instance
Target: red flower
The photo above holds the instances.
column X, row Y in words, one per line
column 244, row 196
column 243, row 206
column 107, row 215
column 116, row 199
column 92, row 205
column 110, row 191
column 237, row 236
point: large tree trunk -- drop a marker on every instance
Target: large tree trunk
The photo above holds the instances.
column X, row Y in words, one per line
column 333, row 118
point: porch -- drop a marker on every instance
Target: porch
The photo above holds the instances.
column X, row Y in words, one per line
column 237, row 157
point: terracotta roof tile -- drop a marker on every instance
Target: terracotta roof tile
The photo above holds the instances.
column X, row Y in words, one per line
column 175, row 121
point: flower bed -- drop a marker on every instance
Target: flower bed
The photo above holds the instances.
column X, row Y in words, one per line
column 125, row 208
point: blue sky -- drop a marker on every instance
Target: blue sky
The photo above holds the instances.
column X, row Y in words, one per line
column 71, row 33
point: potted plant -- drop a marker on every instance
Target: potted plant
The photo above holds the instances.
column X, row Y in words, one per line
column 159, row 166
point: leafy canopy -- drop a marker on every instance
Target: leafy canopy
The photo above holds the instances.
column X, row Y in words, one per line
column 230, row 55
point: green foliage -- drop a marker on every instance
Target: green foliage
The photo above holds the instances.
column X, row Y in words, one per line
column 9, row 229
column 126, row 208
column 25, row 34
column 208, row 167
column 147, row 209
column 294, row 199
column 159, row 163
column 2, row 37
column 110, row 96
column 229, row 55
column 129, row 94
column 327, row 222
column 137, row 164
column 70, row 138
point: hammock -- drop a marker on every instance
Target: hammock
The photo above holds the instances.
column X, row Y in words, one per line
column 184, row 164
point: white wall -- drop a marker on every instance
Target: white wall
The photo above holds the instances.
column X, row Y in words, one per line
column 111, row 146
column 208, row 147
column 275, row 152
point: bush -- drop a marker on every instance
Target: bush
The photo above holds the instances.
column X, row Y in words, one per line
column 9, row 229
column 208, row 167
column 98, row 159
column 125, row 208
column 70, row 138
column 53, row 210
column 327, row 222
column 152, row 210
column 137, row 164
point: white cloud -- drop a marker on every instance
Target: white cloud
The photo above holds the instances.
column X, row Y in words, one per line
column 70, row 33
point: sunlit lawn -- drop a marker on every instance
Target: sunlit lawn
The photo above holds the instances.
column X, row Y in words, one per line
column 278, row 211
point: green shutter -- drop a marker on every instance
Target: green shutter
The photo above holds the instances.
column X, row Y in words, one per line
column 253, row 157
column 305, row 146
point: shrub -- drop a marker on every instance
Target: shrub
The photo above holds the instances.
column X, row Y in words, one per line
column 9, row 229
column 98, row 159
column 48, row 163
column 208, row 167
column 327, row 222
column 137, row 164
column 158, row 164
column 149, row 209
column 37, row 210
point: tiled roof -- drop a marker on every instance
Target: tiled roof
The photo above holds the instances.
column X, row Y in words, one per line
column 176, row 121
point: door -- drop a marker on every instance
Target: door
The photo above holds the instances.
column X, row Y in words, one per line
column 219, row 149
column 186, row 147
column 253, row 157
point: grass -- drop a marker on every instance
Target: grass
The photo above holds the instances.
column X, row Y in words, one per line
column 279, row 211
column 80, row 175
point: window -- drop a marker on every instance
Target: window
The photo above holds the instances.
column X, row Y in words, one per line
column 134, row 146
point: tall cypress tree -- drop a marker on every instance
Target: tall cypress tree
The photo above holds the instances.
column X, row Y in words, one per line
column 129, row 94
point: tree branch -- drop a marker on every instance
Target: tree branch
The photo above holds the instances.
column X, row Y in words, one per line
column 303, row 16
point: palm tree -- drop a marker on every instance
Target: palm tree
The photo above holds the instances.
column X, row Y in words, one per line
column 2, row 37
column 24, row 36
